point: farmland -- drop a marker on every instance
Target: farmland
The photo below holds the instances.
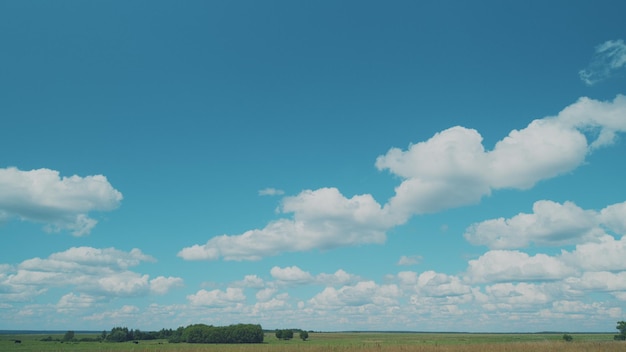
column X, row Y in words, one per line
column 340, row 342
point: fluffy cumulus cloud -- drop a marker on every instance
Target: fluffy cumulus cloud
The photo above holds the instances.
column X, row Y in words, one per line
column 606, row 255
column 614, row 218
column 61, row 203
column 502, row 265
column 360, row 294
column 450, row 169
column 72, row 302
column 90, row 271
column 291, row 274
column 453, row 168
column 323, row 219
column 609, row 57
column 550, row 224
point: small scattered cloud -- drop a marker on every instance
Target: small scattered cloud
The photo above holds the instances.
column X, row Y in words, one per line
column 409, row 260
column 271, row 192
column 61, row 203
column 609, row 57
column 292, row 275
column 217, row 298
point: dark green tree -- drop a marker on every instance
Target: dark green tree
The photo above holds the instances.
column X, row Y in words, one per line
column 621, row 326
column 567, row 338
column 287, row 334
column 118, row 334
column 69, row 336
column 304, row 335
column 279, row 334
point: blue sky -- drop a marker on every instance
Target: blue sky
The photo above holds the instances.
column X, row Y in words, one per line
column 328, row 165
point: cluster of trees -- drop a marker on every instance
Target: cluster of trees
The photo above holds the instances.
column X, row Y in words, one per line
column 196, row 333
column 287, row 334
column 621, row 326
column 122, row 334
column 202, row 333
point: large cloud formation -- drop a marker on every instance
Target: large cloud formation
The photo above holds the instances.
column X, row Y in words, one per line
column 451, row 169
column 62, row 203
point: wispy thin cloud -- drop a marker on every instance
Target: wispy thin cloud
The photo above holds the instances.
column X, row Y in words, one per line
column 271, row 192
column 609, row 57
column 409, row 260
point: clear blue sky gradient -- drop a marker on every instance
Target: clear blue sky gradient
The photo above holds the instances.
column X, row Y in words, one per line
column 210, row 118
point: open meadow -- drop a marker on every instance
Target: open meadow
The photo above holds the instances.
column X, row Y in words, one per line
column 340, row 342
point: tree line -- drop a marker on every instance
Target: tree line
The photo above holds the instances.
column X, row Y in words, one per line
column 195, row 333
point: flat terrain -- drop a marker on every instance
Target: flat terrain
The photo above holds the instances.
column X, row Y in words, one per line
column 343, row 342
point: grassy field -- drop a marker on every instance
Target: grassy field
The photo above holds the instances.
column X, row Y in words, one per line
column 344, row 342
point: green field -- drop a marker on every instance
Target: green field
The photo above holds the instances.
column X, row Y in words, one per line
column 342, row 342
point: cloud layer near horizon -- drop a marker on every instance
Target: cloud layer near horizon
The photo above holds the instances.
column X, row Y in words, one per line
column 61, row 203
column 451, row 169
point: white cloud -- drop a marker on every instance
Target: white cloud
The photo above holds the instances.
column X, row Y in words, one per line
column 599, row 281
column 125, row 283
column 272, row 305
column 91, row 271
column 292, row 275
column 72, row 302
column 110, row 257
column 323, row 219
column 409, row 260
column 266, row 294
column 217, row 298
column 252, row 281
column 360, row 294
column 162, row 285
column 609, row 57
column 434, row 284
column 340, row 277
column 606, row 255
column 502, row 266
column 115, row 317
column 509, row 296
column 550, row 224
column 61, row 203
column 442, row 172
column 451, row 169
column 614, row 217
column 271, row 192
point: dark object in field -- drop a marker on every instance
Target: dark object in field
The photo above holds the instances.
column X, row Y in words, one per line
column 135, row 342
column 18, row 341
